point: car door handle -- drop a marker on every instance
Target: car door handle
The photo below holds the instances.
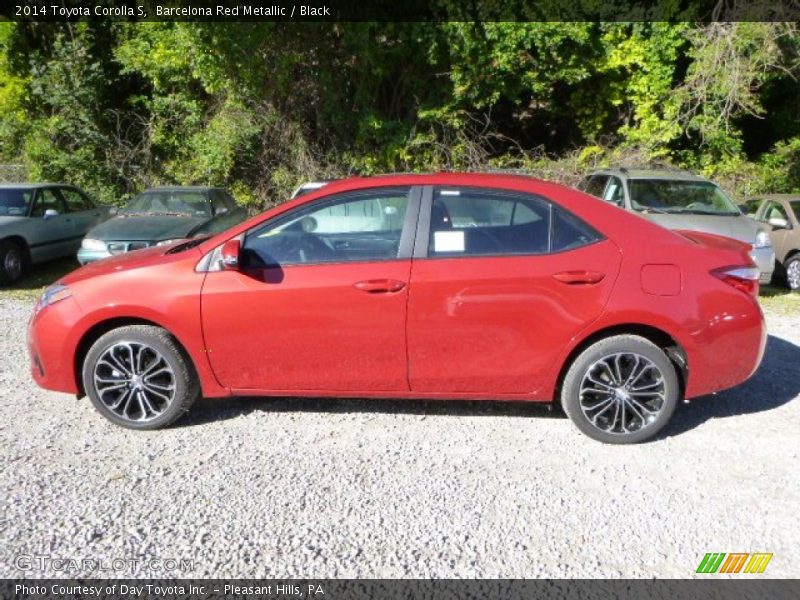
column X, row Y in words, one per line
column 380, row 286
column 579, row 277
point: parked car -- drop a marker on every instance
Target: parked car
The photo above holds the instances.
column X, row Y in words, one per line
column 161, row 216
column 471, row 286
column 681, row 200
column 780, row 215
column 42, row 221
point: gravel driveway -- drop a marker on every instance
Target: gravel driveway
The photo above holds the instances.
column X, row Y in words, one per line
column 346, row 488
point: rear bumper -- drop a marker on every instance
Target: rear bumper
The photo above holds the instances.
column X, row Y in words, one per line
column 728, row 349
column 765, row 261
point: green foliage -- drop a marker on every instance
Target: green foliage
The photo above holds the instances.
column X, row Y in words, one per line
column 261, row 107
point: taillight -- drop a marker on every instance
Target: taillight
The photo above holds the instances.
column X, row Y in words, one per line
column 744, row 279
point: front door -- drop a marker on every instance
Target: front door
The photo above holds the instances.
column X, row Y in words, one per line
column 319, row 303
column 502, row 282
column 52, row 234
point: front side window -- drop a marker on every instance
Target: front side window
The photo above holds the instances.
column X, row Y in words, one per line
column 476, row 222
column 615, row 193
column 14, row 202
column 47, row 200
column 775, row 214
column 680, row 197
column 352, row 227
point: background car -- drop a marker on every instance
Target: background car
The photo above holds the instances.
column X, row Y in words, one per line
column 681, row 200
column 160, row 216
column 42, row 221
column 780, row 214
column 413, row 286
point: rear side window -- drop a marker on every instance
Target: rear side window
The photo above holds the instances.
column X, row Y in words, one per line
column 479, row 222
column 594, row 185
column 76, row 202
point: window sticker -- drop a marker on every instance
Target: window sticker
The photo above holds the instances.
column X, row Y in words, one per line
column 448, row 241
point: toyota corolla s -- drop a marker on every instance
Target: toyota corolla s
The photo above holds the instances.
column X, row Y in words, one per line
column 446, row 286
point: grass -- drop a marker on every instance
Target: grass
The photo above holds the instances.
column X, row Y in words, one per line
column 31, row 286
column 779, row 299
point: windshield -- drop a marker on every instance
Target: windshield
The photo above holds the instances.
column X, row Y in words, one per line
column 14, row 202
column 680, row 197
column 169, row 203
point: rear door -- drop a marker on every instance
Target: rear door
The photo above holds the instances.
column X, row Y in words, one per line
column 319, row 303
column 82, row 211
column 501, row 281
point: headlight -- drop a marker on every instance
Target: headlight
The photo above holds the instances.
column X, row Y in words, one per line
column 762, row 240
column 165, row 242
column 90, row 244
column 55, row 293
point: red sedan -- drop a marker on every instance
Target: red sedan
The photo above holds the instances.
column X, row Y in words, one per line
column 457, row 286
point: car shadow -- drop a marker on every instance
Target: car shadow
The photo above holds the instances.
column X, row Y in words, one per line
column 769, row 388
column 41, row 275
column 208, row 410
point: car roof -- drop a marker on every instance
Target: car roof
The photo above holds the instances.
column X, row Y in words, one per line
column 31, row 186
column 180, row 188
column 775, row 197
column 673, row 174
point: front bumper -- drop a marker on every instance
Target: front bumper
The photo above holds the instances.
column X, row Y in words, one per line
column 765, row 261
column 87, row 256
column 49, row 347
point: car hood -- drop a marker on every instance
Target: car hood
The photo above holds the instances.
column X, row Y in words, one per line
column 10, row 221
column 128, row 261
column 737, row 227
column 145, row 227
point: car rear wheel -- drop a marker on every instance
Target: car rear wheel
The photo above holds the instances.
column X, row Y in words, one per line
column 621, row 390
column 793, row 273
column 12, row 262
column 139, row 377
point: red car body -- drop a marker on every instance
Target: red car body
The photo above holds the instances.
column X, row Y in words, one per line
column 488, row 327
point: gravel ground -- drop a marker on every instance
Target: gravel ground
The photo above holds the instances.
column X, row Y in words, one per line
column 346, row 488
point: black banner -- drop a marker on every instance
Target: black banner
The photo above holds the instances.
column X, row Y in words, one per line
column 400, row 10
column 399, row 589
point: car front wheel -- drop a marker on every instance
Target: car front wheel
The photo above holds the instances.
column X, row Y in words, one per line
column 621, row 390
column 139, row 377
column 12, row 262
column 793, row 273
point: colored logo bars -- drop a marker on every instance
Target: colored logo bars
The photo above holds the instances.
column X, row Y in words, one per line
column 719, row 562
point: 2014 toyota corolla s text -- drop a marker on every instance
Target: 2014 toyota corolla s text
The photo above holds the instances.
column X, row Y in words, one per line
column 448, row 286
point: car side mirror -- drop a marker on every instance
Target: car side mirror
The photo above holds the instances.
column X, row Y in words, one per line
column 779, row 223
column 230, row 255
column 50, row 212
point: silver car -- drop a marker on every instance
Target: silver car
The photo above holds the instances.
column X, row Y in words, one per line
column 681, row 200
column 42, row 221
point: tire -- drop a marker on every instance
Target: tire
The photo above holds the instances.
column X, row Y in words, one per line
column 139, row 377
column 792, row 268
column 13, row 262
column 606, row 399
